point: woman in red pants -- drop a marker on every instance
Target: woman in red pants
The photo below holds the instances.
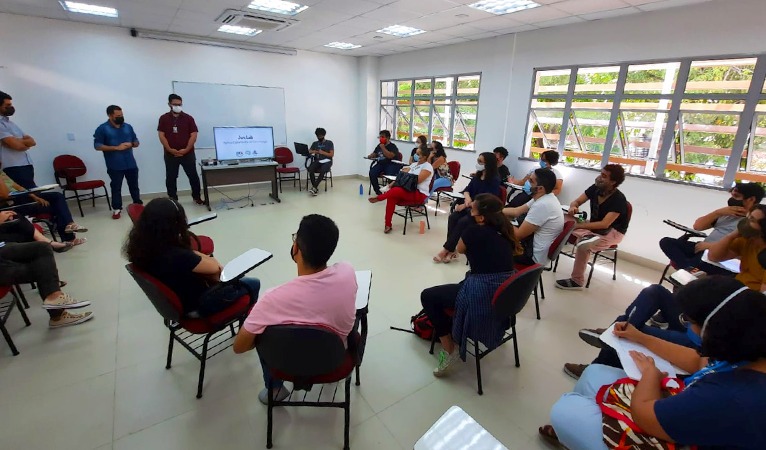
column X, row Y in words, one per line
column 396, row 194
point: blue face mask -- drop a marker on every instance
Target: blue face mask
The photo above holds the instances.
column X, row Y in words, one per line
column 527, row 188
column 415, row 157
column 693, row 337
column 543, row 164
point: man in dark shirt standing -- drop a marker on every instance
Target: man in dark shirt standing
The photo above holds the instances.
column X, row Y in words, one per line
column 116, row 139
column 178, row 133
column 322, row 152
column 608, row 225
column 385, row 152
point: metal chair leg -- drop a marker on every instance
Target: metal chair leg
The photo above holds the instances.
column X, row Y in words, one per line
column 542, row 287
column 592, row 266
column 347, row 415
column 8, row 339
column 515, row 345
column 170, row 350
column 614, row 266
column 93, row 196
column 537, row 302
column 556, row 266
column 269, row 415
column 79, row 204
column 202, row 365
column 478, row 365
column 17, row 303
column 23, row 298
column 433, row 343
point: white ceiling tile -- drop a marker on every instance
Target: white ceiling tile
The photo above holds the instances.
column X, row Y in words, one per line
column 642, row 2
column 538, row 14
column 425, row 7
column 588, row 6
column 34, row 9
column 216, row 7
column 609, row 14
column 560, row 22
column 348, row 7
column 520, row 29
column 395, row 14
column 496, row 23
column 669, row 4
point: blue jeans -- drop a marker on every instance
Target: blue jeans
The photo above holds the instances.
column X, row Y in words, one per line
column 382, row 167
column 576, row 417
column 116, row 176
column 22, row 175
column 684, row 255
column 57, row 208
column 217, row 298
column 267, row 378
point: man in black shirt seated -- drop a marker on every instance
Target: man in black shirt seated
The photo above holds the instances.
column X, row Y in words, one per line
column 501, row 153
column 385, row 152
column 609, row 222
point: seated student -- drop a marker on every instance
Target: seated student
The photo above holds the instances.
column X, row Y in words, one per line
column 52, row 203
column 397, row 194
column 486, row 181
column 321, row 295
column 160, row 244
column 16, row 228
column 421, row 141
column 33, row 262
column 685, row 254
column 544, row 219
column 548, row 160
column 745, row 243
column 608, row 225
column 723, row 403
column 321, row 149
column 490, row 245
column 502, row 170
column 438, row 160
column 384, row 153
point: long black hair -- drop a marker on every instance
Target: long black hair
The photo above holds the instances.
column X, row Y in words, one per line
column 490, row 167
column 490, row 206
column 162, row 225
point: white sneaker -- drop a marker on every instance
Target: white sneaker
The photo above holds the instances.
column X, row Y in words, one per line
column 68, row 318
column 447, row 362
column 64, row 301
column 314, row 191
column 384, row 189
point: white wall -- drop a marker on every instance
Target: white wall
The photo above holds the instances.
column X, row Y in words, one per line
column 63, row 75
column 718, row 28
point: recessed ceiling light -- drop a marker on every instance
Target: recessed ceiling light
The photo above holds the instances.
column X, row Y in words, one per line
column 85, row 8
column 244, row 31
column 401, row 31
column 278, row 6
column 342, row 45
column 504, row 6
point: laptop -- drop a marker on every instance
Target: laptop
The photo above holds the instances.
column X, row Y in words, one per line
column 301, row 149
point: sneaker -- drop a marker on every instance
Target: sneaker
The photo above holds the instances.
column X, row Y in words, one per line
column 282, row 394
column 592, row 336
column 568, row 284
column 314, row 191
column 658, row 321
column 447, row 362
column 64, row 301
column 199, row 201
column 587, row 239
column 67, row 319
column 116, row 214
column 575, row 370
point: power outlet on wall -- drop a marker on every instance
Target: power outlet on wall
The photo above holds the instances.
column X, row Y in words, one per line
column 70, row 136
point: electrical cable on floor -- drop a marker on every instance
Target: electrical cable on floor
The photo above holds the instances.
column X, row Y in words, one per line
column 229, row 203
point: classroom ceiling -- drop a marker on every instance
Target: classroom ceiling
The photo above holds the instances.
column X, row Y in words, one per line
column 353, row 21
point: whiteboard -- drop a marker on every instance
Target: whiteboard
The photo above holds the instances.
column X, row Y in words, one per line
column 231, row 105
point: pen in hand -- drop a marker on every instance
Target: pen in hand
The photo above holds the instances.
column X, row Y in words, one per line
column 624, row 326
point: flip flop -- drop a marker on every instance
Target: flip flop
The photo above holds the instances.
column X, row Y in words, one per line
column 75, row 228
column 548, row 434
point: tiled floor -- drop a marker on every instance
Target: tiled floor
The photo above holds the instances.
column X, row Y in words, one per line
column 103, row 385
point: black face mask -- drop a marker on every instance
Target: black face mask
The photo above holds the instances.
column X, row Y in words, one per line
column 734, row 202
column 119, row 120
column 9, row 111
column 292, row 255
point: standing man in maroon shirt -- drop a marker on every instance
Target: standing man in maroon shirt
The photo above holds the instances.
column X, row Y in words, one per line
column 178, row 133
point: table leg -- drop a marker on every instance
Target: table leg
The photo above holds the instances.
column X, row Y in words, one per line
column 204, row 189
column 274, row 188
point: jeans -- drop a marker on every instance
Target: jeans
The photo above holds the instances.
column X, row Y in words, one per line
column 318, row 168
column 219, row 297
column 189, row 163
column 116, row 176
column 398, row 195
column 435, row 300
column 30, row 262
column 268, row 380
column 456, row 224
column 382, row 167
column 576, row 416
column 57, row 208
column 683, row 255
column 22, row 175
column 440, row 182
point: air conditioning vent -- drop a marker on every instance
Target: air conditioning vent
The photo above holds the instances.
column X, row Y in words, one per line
column 260, row 21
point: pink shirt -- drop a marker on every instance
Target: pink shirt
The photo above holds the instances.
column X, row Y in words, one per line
column 325, row 298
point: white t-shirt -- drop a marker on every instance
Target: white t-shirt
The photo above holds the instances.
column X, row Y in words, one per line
column 552, row 169
column 545, row 213
column 425, row 185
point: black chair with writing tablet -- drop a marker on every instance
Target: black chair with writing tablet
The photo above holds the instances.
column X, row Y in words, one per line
column 303, row 149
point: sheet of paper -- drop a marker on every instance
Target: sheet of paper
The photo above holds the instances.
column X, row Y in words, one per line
column 623, row 348
column 363, row 282
column 732, row 265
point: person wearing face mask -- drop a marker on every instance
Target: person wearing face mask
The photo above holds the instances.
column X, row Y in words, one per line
column 685, row 254
column 383, row 154
column 548, row 160
column 543, row 219
column 745, row 243
column 422, row 141
column 321, row 149
column 608, row 225
column 116, row 139
column 438, row 159
column 321, row 295
column 177, row 132
column 14, row 146
column 486, row 181
column 722, row 405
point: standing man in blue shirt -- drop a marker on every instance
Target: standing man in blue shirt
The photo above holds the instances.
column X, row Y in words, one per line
column 14, row 146
column 117, row 140
column 321, row 150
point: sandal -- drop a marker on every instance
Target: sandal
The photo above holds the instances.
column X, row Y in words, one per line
column 68, row 245
column 548, row 434
column 75, row 228
column 450, row 256
column 60, row 247
column 387, row 230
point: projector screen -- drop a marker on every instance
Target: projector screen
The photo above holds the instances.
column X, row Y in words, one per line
column 234, row 143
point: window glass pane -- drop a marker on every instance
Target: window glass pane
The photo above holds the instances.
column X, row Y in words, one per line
column 468, row 85
column 724, row 76
column 757, row 161
column 387, row 117
column 589, row 129
column 710, row 105
column 547, row 103
column 387, row 88
column 708, row 138
column 552, row 81
column 638, row 139
column 597, row 80
column 443, row 87
column 590, row 103
column 546, row 129
column 404, row 88
column 652, row 78
column 423, row 88
column 464, row 127
column 441, row 123
column 420, row 119
column 402, row 132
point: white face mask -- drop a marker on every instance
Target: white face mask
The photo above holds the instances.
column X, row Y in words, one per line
column 479, row 167
column 176, row 109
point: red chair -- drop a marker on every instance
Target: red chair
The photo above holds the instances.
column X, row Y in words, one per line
column 186, row 331
column 69, row 168
column 454, row 170
column 6, row 307
column 202, row 244
column 509, row 299
column 283, row 155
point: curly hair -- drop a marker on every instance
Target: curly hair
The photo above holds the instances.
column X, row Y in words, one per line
column 162, row 225
column 491, row 207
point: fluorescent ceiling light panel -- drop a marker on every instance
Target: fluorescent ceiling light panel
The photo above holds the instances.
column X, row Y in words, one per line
column 500, row 7
column 342, row 45
column 85, row 8
column 277, row 6
column 233, row 29
column 401, row 31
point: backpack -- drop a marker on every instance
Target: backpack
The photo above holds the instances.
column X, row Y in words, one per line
column 422, row 326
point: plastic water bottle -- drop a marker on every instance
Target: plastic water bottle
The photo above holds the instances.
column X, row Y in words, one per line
column 361, row 189
column 422, row 227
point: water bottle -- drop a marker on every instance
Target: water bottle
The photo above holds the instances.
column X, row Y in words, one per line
column 361, row 189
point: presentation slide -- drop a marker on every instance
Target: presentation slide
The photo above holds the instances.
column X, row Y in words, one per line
column 232, row 143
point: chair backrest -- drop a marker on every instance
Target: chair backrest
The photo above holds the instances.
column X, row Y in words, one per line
column 4, row 290
column 68, row 167
column 503, row 194
column 454, row 169
column 134, row 211
column 302, row 351
column 561, row 240
column 398, row 156
column 283, row 155
column 165, row 301
column 513, row 294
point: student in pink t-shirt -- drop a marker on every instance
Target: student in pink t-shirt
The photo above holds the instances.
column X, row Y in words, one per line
column 320, row 295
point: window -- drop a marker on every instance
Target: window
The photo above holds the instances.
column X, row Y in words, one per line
column 444, row 109
column 700, row 121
